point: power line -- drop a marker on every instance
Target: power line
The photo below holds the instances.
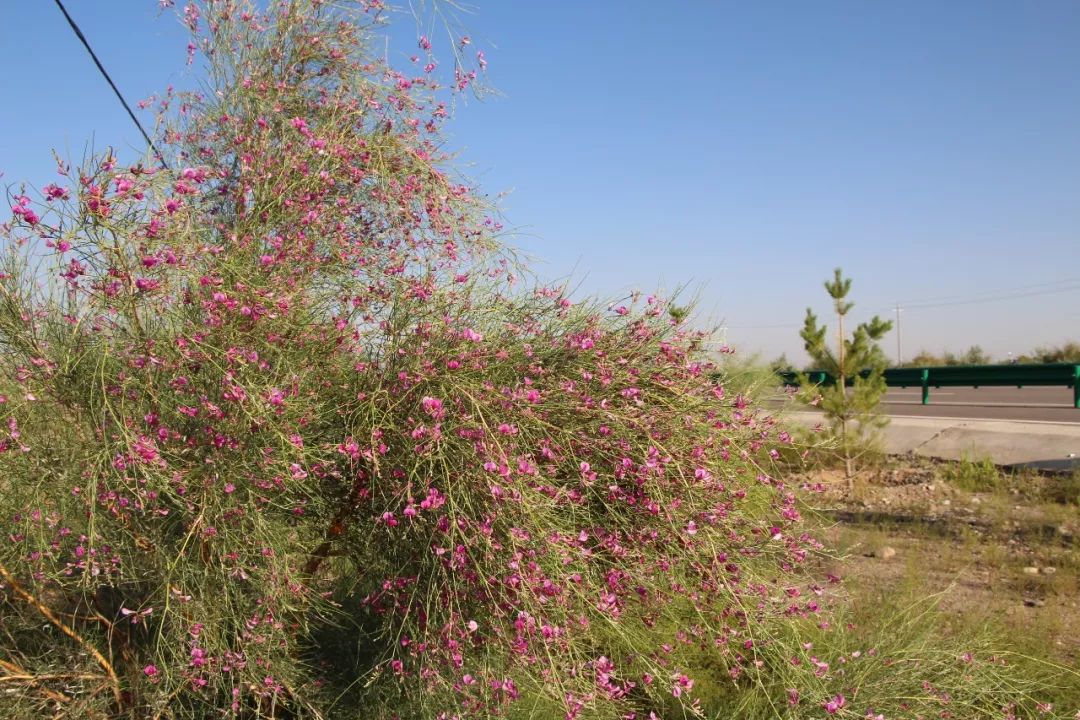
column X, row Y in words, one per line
column 764, row 327
column 105, row 74
column 947, row 298
column 979, row 300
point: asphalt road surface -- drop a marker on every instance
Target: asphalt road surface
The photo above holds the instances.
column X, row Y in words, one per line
column 1047, row 404
column 1031, row 404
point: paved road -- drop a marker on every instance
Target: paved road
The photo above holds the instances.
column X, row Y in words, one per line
column 1041, row 404
column 1048, row 404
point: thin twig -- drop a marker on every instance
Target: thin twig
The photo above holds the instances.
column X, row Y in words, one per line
column 55, row 676
column 114, row 681
column 339, row 524
column 18, row 673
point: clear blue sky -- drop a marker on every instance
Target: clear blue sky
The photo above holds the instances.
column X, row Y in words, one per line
column 931, row 149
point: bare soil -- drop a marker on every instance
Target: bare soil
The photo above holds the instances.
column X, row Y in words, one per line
column 998, row 548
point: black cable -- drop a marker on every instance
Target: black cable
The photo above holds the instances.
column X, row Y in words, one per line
column 82, row 38
column 980, row 300
column 947, row 299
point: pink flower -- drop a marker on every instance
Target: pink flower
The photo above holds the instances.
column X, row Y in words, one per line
column 433, row 407
column 350, row 447
column 135, row 615
column 150, row 671
column 682, row 684
column 198, row 657
column 22, row 209
column 833, row 706
column 193, row 174
column 146, row 449
column 55, row 192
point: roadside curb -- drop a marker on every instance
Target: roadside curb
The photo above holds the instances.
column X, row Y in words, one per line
column 1042, row 445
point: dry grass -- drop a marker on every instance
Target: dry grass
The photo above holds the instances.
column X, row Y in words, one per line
column 998, row 548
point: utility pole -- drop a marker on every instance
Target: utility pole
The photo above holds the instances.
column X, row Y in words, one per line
column 899, row 347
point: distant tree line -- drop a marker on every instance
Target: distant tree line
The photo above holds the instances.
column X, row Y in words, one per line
column 974, row 355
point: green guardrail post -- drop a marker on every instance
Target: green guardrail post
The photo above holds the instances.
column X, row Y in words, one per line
column 925, row 386
column 1076, row 386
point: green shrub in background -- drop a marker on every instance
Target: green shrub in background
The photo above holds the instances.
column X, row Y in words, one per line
column 852, row 413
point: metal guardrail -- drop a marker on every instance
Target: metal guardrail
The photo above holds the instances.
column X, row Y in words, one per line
column 1048, row 374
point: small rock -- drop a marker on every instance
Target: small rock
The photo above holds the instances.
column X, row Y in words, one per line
column 885, row 553
column 1048, row 570
column 1034, row 603
column 946, row 502
column 976, row 501
column 1031, row 570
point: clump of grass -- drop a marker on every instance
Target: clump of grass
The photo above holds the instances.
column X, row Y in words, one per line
column 908, row 620
column 973, row 475
column 1063, row 488
column 983, row 476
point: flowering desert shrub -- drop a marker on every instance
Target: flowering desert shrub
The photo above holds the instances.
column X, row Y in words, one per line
column 288, row 434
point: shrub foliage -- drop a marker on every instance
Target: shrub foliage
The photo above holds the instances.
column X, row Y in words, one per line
column 287, row 433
